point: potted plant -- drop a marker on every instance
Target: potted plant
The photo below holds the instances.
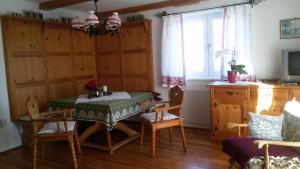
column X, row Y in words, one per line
column 232, row 74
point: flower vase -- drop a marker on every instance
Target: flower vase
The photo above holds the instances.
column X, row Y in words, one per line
column 93, row 94
column 232, row 76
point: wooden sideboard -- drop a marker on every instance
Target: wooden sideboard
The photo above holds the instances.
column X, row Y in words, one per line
column 230, row 103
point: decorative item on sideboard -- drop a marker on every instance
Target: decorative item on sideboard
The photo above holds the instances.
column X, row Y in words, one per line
column 232, row 74
column 234, row 67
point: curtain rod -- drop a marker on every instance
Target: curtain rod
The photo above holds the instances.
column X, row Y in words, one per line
column 164, row 13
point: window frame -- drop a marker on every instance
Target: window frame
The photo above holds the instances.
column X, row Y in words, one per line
column 207, row 16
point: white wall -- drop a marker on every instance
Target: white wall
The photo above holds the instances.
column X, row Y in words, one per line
column 266, row 50
column 10, row 135
column 267, row 44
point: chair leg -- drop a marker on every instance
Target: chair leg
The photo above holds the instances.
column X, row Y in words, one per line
column 77, row 142
column 230, row 161
column 71, row 144
column 153, row 141
column 170, row 134
column 183, row 137
column 142, row 133
column 42, row 150
column 34, row 152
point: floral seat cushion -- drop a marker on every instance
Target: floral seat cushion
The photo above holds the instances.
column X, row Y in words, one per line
column 277, row 162
column 51, row 128
column 243, row 149
column 152, row 116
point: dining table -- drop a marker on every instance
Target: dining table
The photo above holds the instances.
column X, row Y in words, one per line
column 106, row 113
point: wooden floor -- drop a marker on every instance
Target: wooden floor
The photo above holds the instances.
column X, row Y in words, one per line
column 202, row 154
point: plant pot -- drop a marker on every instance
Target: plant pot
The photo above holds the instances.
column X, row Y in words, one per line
column 232, row 76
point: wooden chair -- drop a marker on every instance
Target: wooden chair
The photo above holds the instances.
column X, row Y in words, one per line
column 52, row 129
column 164, row 117
column 261, row 144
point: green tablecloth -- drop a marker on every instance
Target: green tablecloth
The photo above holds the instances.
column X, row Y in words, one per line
column 107, row 112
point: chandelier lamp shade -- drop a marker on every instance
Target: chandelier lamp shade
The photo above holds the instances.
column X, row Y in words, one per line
column 91, row 19
column 95, row 26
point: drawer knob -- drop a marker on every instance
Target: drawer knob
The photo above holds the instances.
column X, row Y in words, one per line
column 230, row 93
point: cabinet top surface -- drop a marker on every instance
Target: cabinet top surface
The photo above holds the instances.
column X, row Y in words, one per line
column 251, row 84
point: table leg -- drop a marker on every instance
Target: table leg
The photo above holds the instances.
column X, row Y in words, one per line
column 90, row 130
column 108, row 137
column 132, row 134
column 123, row 127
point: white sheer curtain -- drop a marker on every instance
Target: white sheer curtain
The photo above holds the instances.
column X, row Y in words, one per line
column 237, row 36
column 172, row 52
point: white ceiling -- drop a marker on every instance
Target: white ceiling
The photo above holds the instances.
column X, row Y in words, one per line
column 105, row 5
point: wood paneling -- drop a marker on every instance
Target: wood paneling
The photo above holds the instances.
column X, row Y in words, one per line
column 57, row 39
column 126, row 63
column 24, row 36
column 135, row 64
column 108, row 43
column 134, row 37
column 82, row 42
column 60, row 90
column 46, row 60
column 84, row 65
column 59, row 67
column 136, row 84
column 109, row 65
column 23, row 70
column 55, row 61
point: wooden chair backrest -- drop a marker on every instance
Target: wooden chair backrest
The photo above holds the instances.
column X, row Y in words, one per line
column 176, row 95
column 33, row 107
column 33, row 110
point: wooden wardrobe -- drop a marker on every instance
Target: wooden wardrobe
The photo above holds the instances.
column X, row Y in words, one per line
column 51, row 60
column 125, row 60
column 46, row 60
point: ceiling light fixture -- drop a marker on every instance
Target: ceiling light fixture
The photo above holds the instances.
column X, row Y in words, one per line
column 95, row 26
column 256, row 2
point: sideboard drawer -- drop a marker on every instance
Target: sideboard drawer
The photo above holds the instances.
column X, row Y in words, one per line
column 231, row 93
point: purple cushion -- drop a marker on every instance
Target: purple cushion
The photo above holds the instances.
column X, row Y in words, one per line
column 242, row 149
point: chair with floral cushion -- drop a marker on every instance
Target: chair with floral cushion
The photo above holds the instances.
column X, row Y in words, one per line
column 247, row 153
column 47, row 128
column 164, row 116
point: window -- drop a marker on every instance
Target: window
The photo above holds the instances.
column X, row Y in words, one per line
column 203, row 36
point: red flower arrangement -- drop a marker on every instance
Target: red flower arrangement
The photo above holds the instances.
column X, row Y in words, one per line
column 91, row 85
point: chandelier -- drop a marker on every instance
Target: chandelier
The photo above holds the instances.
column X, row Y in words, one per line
column 94, row 26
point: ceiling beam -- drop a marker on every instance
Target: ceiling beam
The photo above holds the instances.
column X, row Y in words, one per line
column 146, row 7
column 59, row 4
